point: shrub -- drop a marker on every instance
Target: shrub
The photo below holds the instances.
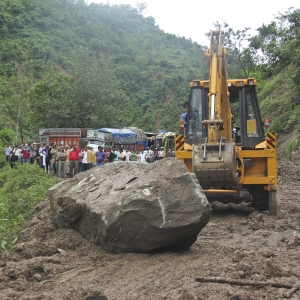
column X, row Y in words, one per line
column 20, row 190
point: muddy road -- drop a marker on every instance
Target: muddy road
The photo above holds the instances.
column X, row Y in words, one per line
column 53, row 263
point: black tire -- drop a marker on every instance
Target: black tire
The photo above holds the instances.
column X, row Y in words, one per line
column 260, row 197
column 272, row 203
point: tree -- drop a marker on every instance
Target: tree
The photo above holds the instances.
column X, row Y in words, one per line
column 89, row 98
column 22, row 86
column 240, row 58
column 141, row 7
column 277, row 43
column 6, row 137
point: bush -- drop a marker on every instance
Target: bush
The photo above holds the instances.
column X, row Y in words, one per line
column 292, row 144
column 20, row 190
column 6, row 137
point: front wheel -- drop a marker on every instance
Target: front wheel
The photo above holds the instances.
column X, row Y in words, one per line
column 272, row 203
column 263, row 199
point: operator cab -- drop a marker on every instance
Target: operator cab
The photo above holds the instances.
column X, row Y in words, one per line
column 247, row 129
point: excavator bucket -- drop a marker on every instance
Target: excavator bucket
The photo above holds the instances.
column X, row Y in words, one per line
column 215, row 165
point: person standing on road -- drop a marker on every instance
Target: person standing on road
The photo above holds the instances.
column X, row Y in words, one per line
column 127, row 155
column 121, row 156
column 148, row 156
column 100, row 157
column 91, row 158
column 155, row 152
column 13, row 157
column 116, row 152
column 74, row 161
column 48, row 157
column 85, row 163
column 161, row 154
column 68, row 150
column 19, row 149
column 7, row 151
column 32, row 154
column 42, row 156
column 80, row 164
column 143, row 156
column 62, row 156
column 25, row 155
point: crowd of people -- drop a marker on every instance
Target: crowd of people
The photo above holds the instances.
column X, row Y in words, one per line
column 65, row 161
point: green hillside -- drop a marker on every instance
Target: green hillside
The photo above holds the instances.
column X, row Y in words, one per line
column 90, row 66
column 68, row 64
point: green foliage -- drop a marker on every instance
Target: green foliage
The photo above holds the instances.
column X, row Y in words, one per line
column 86, row 99
column 292, row 144
column 4, row 245
column 240, row 58
column 280, row 102
column 277, row 43
column 6, row 137
column 68, row 64
column 90, row 46
column 20, row 190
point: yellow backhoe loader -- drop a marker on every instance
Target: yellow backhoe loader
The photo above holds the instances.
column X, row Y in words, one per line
column 224, row 142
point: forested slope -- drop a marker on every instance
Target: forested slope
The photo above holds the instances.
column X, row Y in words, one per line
column 68, row 64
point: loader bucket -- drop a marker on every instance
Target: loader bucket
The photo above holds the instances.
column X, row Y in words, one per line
column 215, row 165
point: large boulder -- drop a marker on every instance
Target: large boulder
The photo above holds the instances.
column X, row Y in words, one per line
column 133, row 207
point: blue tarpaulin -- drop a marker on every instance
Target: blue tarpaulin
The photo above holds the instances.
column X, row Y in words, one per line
column 144, row 143
column 121, row 136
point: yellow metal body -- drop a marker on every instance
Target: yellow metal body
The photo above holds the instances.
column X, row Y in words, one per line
column 214, row 159
column 253, row 168
column 220, row 117
column 263, row 169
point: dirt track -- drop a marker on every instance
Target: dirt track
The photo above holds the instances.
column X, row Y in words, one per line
column 60, row 264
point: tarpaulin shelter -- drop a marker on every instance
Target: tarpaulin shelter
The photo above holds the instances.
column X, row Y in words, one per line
column 119, row 136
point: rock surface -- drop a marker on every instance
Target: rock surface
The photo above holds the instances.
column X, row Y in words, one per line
column 133, row 207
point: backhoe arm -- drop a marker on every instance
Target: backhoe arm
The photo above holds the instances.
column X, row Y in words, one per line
column 219, row 107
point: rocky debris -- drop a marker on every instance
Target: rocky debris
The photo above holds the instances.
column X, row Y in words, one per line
column 133, row 207
column 290, row 236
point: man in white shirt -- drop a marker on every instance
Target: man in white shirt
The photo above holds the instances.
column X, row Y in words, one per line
column 148, row 156
column 127, row 154
column 85, row 162
column 161, row 154
column 143, row 156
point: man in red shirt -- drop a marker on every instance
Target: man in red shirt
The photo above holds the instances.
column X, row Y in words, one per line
column 25, row 155
column 73, row 158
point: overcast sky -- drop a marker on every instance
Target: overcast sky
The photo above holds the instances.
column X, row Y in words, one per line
column 193, row 18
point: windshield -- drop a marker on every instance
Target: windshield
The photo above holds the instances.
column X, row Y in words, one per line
column 158, row 143
column 197, row 107
column 95, row 142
